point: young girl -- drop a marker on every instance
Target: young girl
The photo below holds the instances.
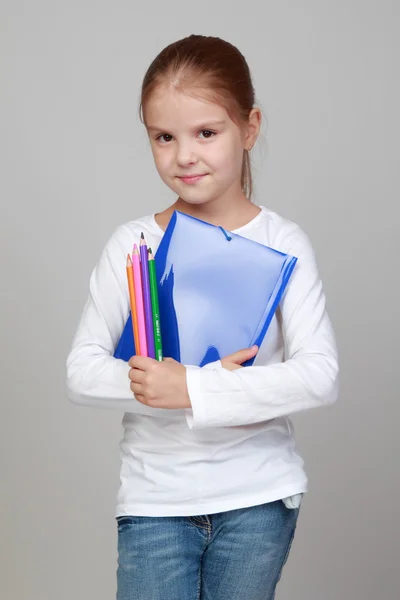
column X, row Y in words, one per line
column 211, row 481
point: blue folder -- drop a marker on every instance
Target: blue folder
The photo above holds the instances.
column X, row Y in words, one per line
column 218, row 292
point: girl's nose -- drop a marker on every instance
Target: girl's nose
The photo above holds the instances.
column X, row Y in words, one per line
column 185, row 155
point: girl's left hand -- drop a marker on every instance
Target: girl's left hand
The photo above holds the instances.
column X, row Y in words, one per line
column 159, row 384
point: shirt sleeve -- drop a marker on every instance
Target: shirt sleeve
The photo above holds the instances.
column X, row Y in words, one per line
column 307, row 378
column 94, row 377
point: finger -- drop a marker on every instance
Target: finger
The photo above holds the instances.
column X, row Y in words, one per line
column 242, row 355
column 136, row 375
column 141, row 362
column 137, row 389
column 230, row 366
column 168, row 359
column 140, row 398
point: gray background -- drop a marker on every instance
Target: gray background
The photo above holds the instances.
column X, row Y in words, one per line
column 75, row 163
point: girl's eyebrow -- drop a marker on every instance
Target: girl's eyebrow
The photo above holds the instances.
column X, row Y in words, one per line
column 198, row 127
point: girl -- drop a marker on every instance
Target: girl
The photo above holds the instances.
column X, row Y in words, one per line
column 211, row 481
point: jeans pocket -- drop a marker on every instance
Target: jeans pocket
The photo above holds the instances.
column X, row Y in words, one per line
column 125, row 521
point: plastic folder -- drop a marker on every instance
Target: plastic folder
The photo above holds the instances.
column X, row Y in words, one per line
column 218, row 292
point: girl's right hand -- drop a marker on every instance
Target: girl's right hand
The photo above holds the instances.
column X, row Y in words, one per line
column 234, row 361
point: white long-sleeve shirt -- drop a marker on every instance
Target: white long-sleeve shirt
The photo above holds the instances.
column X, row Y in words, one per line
column 235, row 447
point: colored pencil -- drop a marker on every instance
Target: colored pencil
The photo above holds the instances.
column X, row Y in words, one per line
column 139, row 301
column 148, row 316
column 131, row 286
column 155, row 307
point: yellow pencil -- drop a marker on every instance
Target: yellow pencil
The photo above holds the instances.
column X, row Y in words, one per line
column 131, row 285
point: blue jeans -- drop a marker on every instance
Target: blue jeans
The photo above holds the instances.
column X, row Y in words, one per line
column 234, row 555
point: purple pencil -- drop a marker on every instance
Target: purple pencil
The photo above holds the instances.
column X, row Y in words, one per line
column 148, row 315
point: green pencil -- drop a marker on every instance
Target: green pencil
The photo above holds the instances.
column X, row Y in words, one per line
column 155, row 307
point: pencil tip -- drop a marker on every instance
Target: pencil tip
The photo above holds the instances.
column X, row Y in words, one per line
column 142, row 235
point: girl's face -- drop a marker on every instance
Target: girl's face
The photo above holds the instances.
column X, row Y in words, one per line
column 197, row 148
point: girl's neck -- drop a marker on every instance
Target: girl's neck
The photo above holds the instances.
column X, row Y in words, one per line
column 229, row 213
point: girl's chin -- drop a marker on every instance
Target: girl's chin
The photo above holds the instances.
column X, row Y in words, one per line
column 195, row 201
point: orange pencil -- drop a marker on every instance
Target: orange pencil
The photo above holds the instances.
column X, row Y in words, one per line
column 131, row 285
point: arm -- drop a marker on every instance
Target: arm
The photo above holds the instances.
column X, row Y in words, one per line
column 309, row 376
column 94, row 376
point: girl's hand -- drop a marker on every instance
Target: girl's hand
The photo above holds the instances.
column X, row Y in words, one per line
column 163, row 384
column 234, row 361
column 159, row 384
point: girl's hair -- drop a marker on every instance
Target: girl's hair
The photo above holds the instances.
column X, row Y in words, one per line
column 212, row 69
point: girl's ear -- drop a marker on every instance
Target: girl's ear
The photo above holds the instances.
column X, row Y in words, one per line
column 252, row 128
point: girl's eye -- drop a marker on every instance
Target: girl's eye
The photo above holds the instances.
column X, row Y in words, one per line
column 164, row 135
column 208, row 134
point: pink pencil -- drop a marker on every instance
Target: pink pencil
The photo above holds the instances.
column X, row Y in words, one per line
column 139, row 301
